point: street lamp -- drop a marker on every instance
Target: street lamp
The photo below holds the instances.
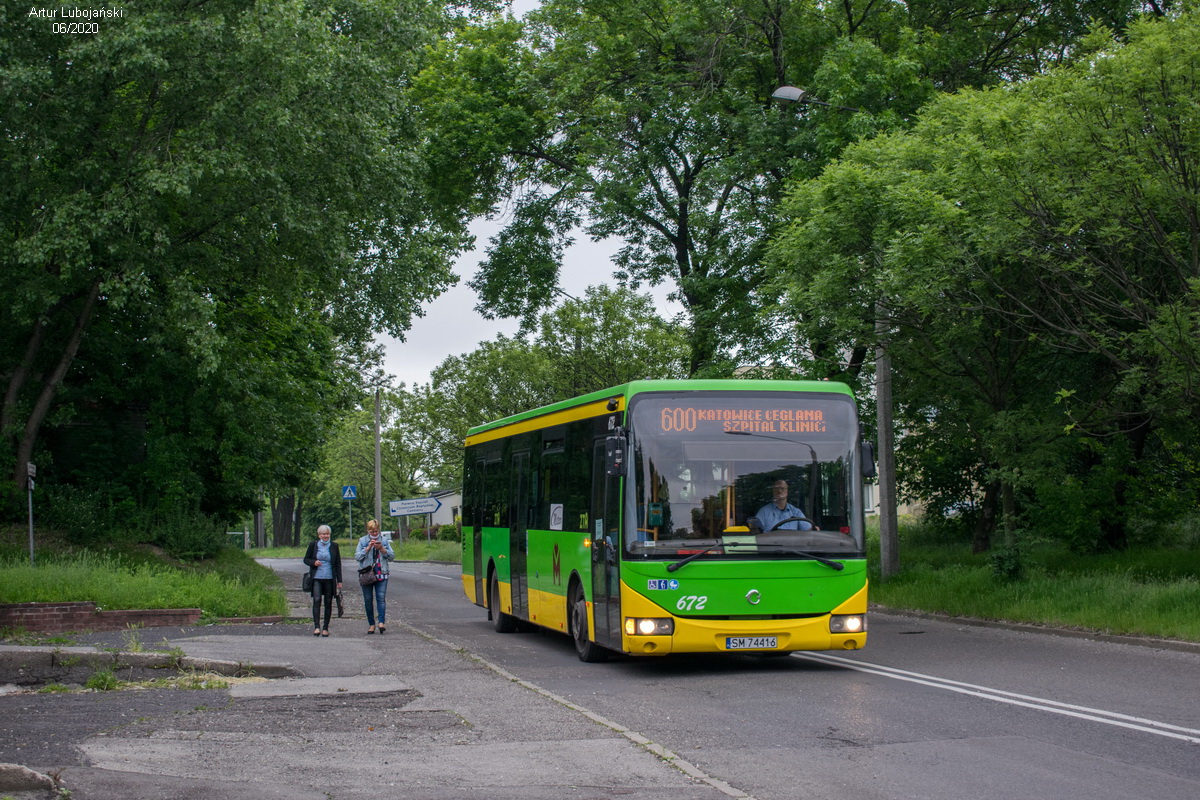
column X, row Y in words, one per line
column 888, row 530
column 787, row 95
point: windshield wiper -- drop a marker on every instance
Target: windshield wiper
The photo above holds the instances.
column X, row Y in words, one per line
column 835, row 565
column 821, row 559
column 693, row 556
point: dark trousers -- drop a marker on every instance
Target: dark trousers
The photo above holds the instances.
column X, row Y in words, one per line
column 323, row 589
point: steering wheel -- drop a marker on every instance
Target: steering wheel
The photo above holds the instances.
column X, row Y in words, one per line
column 775, row 527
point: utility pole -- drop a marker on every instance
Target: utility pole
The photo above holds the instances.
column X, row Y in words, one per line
column 378, row 460
column 889, row 537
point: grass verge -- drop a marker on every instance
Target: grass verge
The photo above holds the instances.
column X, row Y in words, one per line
column 1139, row 592
column 231, row 584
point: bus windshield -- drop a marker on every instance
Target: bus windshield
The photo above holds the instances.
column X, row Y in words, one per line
column 752, row 474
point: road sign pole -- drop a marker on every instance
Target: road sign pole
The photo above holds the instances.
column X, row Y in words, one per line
column 350, row 507
column 31, row 472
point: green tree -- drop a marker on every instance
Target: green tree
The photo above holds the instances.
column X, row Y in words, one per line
column 605, row 338
column 232, row 183
column 649, row 121
column 1028, row 242
column 348, row 458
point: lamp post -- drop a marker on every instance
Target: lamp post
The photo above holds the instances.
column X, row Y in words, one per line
column 788, row 95
column 889, row 552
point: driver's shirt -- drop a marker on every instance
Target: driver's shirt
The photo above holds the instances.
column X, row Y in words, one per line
column 771, row 515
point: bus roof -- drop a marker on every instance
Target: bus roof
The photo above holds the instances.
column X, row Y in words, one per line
column 628, row 390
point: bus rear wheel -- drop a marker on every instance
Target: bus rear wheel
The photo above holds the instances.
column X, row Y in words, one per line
column 586, row 649
column 501, row 622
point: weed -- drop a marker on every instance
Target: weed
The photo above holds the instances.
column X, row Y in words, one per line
column 103, row 681
column 175, row 653
column 53, row 688
column 132, row 637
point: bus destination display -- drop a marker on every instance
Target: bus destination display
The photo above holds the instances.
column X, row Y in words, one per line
column 689, row 419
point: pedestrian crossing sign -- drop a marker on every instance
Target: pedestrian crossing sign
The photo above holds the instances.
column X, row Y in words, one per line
column 349, row 492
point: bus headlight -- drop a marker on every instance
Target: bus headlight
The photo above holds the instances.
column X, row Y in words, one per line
column 848, row 623
column 649, row 626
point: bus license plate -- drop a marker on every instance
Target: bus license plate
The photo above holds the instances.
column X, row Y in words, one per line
column 751, row 642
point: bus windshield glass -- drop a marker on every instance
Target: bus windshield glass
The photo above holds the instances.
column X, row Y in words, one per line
column 750, row 474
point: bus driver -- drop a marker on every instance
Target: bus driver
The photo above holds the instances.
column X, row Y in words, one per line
column 779, row 509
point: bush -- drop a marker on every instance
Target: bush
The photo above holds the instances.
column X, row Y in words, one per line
column 93, row 517
column 450, row 533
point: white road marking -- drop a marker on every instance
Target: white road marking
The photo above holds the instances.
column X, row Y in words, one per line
column 1000, row 696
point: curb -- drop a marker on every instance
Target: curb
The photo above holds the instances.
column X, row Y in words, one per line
column 16, row 778
column 17, row 659
column 1027, row 627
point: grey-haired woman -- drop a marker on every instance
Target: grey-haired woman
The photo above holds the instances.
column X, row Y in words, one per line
column 324, row 562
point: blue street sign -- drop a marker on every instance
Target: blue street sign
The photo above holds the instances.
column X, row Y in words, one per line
column 349, row 492
column 417, row 505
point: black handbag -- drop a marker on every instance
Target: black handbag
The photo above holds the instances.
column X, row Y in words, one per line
column 306, row 583
column 366, row 576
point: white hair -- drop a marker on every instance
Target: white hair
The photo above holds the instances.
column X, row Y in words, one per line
column 324, row 529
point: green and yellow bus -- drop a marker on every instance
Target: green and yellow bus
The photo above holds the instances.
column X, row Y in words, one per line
column 645, row 518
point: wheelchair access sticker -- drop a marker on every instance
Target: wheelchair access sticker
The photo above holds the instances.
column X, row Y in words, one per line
column 662, row 583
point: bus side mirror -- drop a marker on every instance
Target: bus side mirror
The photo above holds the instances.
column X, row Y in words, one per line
column 867, row 456
column 614, row 456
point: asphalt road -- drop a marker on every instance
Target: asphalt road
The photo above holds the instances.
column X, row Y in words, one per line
column 443, row 707
column 930, row 709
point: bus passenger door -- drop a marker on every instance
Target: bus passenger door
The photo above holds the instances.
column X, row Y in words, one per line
column 518, row 534
column 477, row 512
column 606, row 552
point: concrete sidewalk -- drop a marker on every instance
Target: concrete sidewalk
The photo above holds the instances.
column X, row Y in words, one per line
column 398, row 715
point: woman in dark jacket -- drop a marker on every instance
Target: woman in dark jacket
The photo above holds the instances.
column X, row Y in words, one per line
column 325, row 566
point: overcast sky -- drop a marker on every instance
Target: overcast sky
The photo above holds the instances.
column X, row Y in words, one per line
column 451, row 325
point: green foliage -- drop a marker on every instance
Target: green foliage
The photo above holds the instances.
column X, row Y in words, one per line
column 91, row 517
column 206, row 212
column 54, row 688
column 1018, row 251
column 103, row 680
column 606, row 338
column 650, row 121
column 1007, row 564
column 348, row 458
column 450, row 533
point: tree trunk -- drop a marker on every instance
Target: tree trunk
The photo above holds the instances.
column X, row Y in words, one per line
column 985, row 526
column 281, row 519
column 298, row 519
column 50, row 384
column 17, row 382
column 889, row 536
column 1008, row 503
column 260, row 529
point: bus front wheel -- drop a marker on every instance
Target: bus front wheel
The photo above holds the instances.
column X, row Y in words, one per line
column 586, row 649
column 501, row 622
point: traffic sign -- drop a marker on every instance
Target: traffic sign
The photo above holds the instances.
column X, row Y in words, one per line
column 349, row 492
column 417, row 505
